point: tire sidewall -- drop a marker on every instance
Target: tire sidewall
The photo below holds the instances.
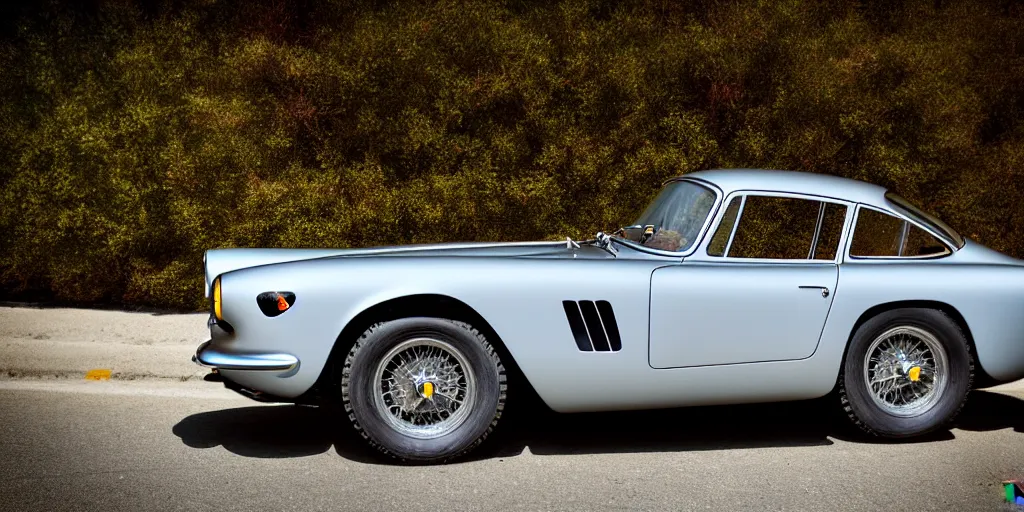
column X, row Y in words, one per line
column 361, row 388
column 958, row 373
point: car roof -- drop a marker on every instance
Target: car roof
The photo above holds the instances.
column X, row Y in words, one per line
column 797, row 182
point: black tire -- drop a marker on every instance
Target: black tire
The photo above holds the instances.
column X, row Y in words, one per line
column 358, row 389
column 857, row 401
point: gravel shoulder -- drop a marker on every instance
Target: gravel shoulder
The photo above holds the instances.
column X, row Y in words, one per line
column 66, row 343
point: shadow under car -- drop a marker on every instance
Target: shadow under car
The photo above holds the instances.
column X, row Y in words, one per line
column 297, row 431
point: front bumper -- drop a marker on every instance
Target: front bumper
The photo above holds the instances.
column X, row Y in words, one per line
column 209, row 357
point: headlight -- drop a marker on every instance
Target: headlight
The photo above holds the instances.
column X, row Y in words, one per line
column 217, row 304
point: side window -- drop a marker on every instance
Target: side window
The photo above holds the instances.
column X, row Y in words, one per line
column 780, row 228
column 879, row 234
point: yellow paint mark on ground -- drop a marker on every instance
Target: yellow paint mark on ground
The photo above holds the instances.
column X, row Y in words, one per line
column 97, row 374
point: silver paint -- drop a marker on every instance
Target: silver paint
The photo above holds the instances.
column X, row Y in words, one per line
column 695, row 329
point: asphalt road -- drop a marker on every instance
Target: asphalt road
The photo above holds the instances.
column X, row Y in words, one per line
column 157, row 437
column 148, row 445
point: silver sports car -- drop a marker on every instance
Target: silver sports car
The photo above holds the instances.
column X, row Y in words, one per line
column 734, row 286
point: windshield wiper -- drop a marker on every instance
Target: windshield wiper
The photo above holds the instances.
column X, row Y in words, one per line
column 604, row 241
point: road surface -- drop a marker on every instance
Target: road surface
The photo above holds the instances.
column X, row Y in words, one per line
column 174, row 442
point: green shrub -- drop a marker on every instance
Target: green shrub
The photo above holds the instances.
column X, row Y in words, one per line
column 137, row 134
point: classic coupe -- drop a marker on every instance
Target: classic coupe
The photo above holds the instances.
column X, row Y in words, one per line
column 733, row 286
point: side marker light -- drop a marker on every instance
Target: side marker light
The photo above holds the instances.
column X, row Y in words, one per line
column 275, row 303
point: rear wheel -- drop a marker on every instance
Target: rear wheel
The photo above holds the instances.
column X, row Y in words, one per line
column 907, row 372
column 423, row 389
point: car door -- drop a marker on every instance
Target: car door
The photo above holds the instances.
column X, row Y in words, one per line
column 759, row 289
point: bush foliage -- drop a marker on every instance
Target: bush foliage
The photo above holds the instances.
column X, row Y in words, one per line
column 138, row 134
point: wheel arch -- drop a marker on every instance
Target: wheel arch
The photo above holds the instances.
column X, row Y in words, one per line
column 981, row 378
column 426, row 304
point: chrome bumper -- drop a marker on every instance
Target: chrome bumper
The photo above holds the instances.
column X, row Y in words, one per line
column 209, row 357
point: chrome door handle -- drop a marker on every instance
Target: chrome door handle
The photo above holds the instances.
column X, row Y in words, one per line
column 824, row 290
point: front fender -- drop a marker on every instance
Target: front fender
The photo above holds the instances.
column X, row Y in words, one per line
column 520, row 298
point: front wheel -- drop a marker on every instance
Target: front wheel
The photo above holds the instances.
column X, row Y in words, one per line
column 907, row 372
column 423, row 389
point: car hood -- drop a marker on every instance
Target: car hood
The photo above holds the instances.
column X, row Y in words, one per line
column 220, row 261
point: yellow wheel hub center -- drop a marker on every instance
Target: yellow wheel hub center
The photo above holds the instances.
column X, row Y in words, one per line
column 914, row 374
column 427, row 390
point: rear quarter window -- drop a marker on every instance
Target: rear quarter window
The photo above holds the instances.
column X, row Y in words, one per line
column 880, row 235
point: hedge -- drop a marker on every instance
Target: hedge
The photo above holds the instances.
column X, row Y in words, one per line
column 138, row 134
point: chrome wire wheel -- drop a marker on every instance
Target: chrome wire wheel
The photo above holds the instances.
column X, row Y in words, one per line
column 424, row 388
column 906, row 371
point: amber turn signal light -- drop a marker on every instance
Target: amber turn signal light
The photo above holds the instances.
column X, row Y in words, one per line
column 275, row 303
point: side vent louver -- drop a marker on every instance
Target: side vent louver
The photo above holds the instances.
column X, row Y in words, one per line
column 593, row 325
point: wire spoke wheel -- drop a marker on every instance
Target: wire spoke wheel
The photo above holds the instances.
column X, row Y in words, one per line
column 906, row 371
column 424, row 388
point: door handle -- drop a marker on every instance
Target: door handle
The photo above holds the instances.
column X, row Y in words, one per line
column 824, row 290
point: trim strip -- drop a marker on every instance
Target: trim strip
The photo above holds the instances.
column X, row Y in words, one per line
column 817, row 231
column 735, row 224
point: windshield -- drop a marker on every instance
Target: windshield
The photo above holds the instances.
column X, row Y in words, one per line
column 925, row 218
column 677, row 215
